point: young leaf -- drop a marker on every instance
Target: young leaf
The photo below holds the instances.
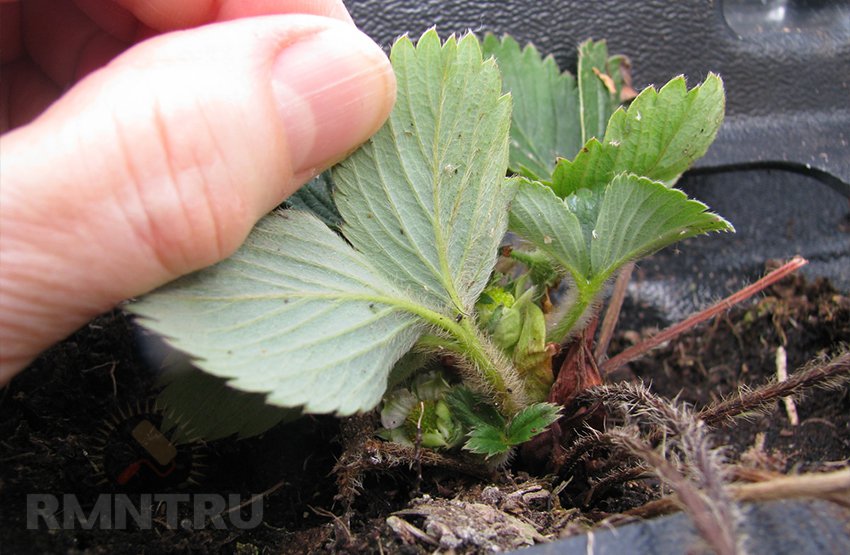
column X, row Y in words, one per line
column 633, row 217
column 491, row 440
column 488, row 441
column 295, row 312
column 317, row 197
column 539, row 216
column 301, row 315
column 531, row 421
column 638, row 216
column 472, row 411
column 591, row 237
column 426, row 197
column 660, row 135
column 546, row 122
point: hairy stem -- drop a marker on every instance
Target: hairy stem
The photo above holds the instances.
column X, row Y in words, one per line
column 465, row 340
column 502, row 385
column 834, row 371
column 585, row 297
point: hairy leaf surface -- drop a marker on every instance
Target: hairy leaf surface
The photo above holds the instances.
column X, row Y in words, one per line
column 426, row 197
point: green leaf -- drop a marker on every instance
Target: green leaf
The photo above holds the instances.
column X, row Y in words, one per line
column 659, row 137
column 546, row 122
column 531, row 421
column 591, row 237
column 638, row 216
column 300, row 315
column 597, row 88
column 317, row 197
column 554, row 113
column 199, row 405
column 491, row 440
column 488, row 441
column 426, row 197
column 472, row 410
column 545, row 220
column 295, row 312
column 664, row 132
column 633, row 217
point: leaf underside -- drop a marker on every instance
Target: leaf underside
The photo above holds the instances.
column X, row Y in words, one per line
column 317, row 321
column 426, row 197
column 295, row 313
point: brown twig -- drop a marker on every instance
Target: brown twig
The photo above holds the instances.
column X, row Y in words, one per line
column 676, row 329
column 612, row 313
column 833, row 486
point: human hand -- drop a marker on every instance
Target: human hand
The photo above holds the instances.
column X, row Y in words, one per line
column 132, row 155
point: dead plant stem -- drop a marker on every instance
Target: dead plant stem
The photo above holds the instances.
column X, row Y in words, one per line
column 612, row 313
column 676, row 329
column 834, row 486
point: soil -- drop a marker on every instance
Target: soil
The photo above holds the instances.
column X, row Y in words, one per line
column 59, row 417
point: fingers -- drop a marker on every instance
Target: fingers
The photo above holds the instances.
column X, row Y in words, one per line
column 67, row 39
column 63, row 42
column 160, row 163
column 166, row 15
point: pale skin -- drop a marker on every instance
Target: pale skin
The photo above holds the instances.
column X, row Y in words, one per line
column 142, row 139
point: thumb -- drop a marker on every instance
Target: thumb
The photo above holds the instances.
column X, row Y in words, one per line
column 160, row 163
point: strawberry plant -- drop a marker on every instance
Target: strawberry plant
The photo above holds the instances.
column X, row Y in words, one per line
column 383, row 271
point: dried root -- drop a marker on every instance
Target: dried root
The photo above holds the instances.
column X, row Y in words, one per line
column 686, row 461
column 832, row 486
column 823, row 373
column 671, row 441
column 362, row 453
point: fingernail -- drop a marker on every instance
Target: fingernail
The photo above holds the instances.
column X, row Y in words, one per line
column 334, row 90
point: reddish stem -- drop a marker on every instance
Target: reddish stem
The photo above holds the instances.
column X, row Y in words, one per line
column 612, row 314
column 643, row 347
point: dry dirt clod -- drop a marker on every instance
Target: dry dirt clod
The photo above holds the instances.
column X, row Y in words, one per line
column 455, row 524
